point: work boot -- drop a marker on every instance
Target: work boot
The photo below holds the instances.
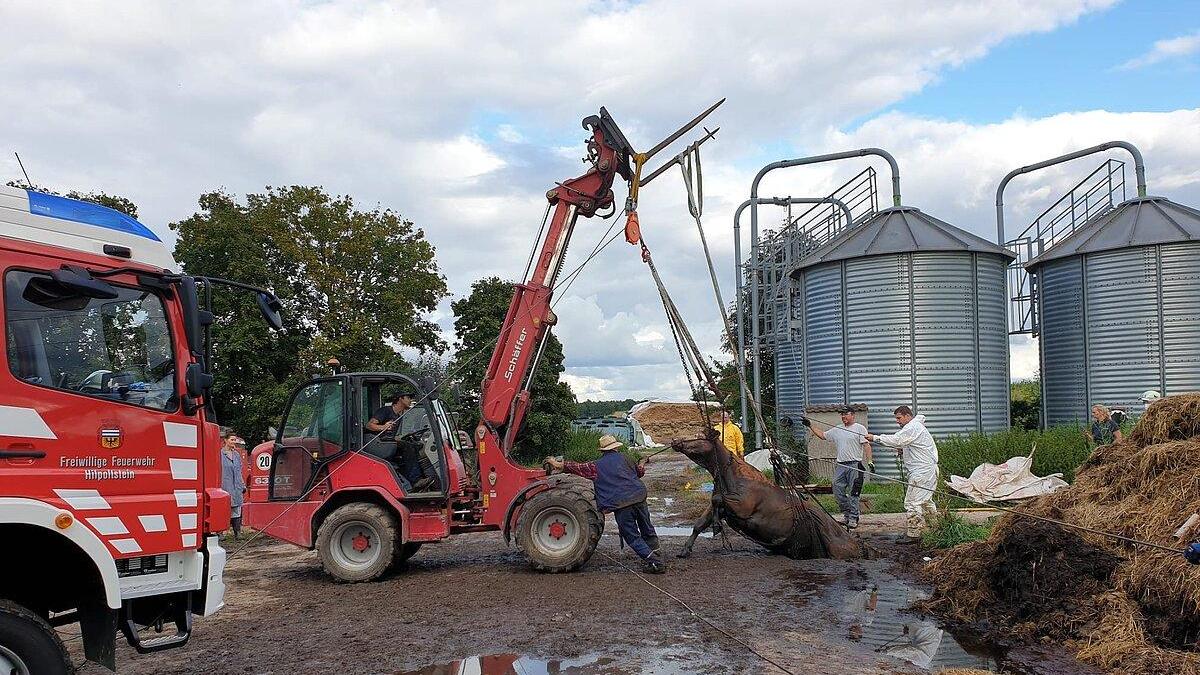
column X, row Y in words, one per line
column 851, row 522
column 913, row 527
column 653, row 565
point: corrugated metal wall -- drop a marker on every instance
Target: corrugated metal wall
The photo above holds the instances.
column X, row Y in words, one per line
column 1181, row 316
column 1122, row 325
column 822, row 355
column 789, row 381
column 886, row 324
column 1064, row 377
column 991, row 305
column 879, row 336
column 946, row 334
column 1136, row 328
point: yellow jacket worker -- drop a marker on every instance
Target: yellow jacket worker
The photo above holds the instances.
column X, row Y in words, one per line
column 731, row 436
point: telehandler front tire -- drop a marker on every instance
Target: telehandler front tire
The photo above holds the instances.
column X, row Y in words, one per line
column 558, row 528
column 357, row 542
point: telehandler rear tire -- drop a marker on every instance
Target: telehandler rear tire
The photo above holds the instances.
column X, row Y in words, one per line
column 558, row 528
column 357, row 542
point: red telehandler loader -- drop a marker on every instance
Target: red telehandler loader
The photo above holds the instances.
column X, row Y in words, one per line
column 330, row 483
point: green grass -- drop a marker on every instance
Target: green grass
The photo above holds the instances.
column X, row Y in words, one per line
column 1059, row 450
column 952, row 530
column 876, row 498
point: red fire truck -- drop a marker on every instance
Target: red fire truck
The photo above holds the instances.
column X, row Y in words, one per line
column 110, row 474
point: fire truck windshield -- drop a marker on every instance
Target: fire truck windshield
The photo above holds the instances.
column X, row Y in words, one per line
column 118, row 348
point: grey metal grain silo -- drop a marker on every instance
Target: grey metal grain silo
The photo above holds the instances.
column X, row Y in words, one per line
column 1110, row 287
column 905, row 308
column 1118, row 305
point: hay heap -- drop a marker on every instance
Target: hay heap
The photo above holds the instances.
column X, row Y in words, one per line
column 665, row 421
column 1121, row 607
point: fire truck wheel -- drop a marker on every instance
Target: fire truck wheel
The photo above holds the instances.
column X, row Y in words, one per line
column 28, row 645
column 357, row 542
column 558, row 529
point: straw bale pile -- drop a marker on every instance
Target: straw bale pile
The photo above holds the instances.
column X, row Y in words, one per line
column 1123, row 608
column 664, row 421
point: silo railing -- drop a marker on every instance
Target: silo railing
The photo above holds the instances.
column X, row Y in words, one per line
column 1099, row 192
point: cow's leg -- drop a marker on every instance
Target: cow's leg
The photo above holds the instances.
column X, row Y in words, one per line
column 701, row 525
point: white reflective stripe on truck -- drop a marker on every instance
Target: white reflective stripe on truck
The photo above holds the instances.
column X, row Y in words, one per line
column 41, row 514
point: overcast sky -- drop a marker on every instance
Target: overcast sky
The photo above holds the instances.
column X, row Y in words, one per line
column 460, row 115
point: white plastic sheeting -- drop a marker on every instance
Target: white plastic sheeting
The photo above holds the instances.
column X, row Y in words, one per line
column 1013, row 479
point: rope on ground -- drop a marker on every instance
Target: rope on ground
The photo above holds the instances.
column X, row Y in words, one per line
column 937, row 491
column 699, row 616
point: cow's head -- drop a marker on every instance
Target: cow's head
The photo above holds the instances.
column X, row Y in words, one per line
column 700, row 450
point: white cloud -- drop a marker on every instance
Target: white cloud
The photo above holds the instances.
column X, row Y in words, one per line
column 509, row 134
column 389, row 103
column 1163, row 50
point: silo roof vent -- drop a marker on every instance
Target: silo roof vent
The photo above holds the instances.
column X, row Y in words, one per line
column 1140, row 221
column 900, row 229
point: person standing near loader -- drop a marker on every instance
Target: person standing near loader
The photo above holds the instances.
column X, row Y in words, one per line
column 920, row 458
column 731, row 435
column 233, row 481
column 621, row 492
column 853, row 450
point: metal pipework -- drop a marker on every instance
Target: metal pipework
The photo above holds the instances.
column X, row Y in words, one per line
column 1139, row 169
column 783, row 164
column 737, row 258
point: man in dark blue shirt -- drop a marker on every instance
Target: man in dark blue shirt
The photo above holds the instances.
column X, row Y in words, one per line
column 621, row 492
column 386, row 422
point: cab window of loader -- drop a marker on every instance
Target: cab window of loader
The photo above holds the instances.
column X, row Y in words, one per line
column 316, row 419
column 118, row 349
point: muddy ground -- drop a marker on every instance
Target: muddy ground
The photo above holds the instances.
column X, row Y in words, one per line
column 473, row 596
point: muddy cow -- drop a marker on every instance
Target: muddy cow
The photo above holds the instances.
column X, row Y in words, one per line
column 744, row 499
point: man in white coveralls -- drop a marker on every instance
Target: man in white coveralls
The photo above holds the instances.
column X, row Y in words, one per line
column 920, row 458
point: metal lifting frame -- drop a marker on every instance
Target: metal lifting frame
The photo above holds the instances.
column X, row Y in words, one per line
column 753, row 203
column 739, row 350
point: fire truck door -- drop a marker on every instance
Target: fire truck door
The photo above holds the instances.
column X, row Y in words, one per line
column 91, row 413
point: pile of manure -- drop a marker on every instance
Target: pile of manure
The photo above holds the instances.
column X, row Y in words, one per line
column 1121, row 607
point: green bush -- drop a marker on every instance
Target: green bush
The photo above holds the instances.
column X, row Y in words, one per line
column 1059, row 450
column 876, row 498
column 951, row 530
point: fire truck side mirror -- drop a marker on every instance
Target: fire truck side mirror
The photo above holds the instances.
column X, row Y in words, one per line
column 270, row 307
column 198, row 382
column 189, row 298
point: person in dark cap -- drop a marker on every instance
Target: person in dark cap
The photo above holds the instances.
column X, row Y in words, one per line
column 386, row 422
column 853, row 450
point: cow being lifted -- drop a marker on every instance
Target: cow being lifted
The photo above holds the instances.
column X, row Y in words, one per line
column 743, row 498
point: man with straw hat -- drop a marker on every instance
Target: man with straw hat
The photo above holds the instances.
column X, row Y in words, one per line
column 621, row 492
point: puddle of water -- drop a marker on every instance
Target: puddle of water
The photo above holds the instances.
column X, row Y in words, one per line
column 875, row 614
column 668, row 661
column 681, row 532
column 502, row 664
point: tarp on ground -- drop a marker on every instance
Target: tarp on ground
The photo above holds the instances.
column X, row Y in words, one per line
column 1013, row 479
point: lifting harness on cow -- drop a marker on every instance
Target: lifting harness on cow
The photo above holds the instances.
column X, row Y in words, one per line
column 812, row 531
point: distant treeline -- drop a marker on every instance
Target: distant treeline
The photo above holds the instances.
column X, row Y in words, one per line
column 605, row 408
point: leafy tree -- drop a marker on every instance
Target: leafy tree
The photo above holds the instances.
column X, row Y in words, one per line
column 115, row 202
column 477, row 322
column 1025, row 404
column 353, row 285
column 605, row 408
